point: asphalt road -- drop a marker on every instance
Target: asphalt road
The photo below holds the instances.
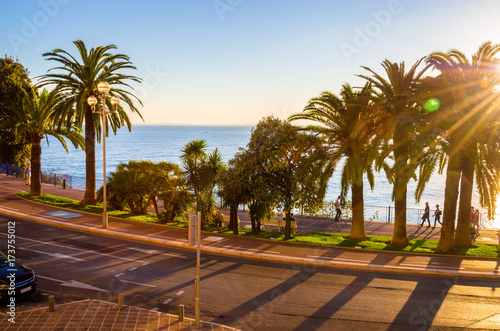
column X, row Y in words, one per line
column 248, row 294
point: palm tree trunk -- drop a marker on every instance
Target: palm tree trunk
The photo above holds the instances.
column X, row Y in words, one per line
column 36, row 166
column 462, row 236
column 358, row 217
column 445, row 245
column 90, row 196
column 399, row 236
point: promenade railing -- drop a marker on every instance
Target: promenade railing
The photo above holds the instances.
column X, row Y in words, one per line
column 49, row 177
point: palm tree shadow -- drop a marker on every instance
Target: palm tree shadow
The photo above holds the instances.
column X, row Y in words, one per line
column 316, row 320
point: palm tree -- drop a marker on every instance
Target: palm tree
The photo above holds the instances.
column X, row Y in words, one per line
column 76, row 80
column 36, row 119
column 348, row 124
column 474, row 105
column 201, row 170
column 398, row 96
column 193, row 157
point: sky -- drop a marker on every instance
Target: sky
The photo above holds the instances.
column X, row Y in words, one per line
column 233, row 62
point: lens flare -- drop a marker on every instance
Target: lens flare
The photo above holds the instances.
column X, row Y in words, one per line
column 432, row 104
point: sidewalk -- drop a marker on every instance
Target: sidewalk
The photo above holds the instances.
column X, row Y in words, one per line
column 100, row 315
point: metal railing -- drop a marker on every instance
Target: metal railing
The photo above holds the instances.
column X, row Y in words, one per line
column 62, row 180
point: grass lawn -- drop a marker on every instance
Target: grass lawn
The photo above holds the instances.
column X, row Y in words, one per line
column 421, row 246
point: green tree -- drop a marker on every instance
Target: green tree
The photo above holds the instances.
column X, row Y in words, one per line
column 290, row 166
column 473, row 136
column 233, row 190
column 348, row 123
column 399, row 94
column 36, row 119
column 14, row 81
column 77, row 79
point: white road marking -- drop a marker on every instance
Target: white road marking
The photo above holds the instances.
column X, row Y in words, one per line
column 132, row 269
column 81, row 250
column 179, row 293
column 167, row 301
column 210, row 238
column 8, row 208
column 141, row 284
column 73, row 283
column 252, row 250
column 120, row 274
column 336, row 259
column 153, row 251
column 13, row 189
column 162, row 237
column 56, row 255
column 430, row 267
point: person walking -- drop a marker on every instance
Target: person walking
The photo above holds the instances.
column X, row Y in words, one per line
column 437, row 216
column 425, row 216
column 476, row 221
column 27, row 175
column 338, row 210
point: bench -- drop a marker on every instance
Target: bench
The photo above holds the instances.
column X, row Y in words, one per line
column 280, row 224
column 226, row 219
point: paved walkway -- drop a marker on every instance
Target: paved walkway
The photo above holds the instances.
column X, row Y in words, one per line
column 374, row 261
column 100, row 315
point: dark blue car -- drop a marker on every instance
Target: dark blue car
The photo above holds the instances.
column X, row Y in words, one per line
column 15, row 279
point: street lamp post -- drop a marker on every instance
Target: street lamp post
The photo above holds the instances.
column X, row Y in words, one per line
column 103, row 88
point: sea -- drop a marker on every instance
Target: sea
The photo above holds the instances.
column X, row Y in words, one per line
column 165, row 142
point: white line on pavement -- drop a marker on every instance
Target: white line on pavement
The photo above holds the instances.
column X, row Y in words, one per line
column 13, row 189
column 81, row 250
column 430, row 267
column 56, row 255
column 251, row 249
column 167, row 301
column 179, row 293
column 336, row 259
column 8, row 208
column 120, row 274
column 142, row 284
column 154, row 251
column 163, row 237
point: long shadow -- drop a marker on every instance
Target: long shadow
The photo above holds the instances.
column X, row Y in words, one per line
column 265, row 298
column 316, row 320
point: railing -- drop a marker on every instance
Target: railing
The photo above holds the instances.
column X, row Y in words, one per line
column 62, row 180
column 386, row 214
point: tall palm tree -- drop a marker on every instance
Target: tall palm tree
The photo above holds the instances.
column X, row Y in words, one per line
column 475, row 106
column 398, row 96
column 348, row 124
column 36, row 119
column 77, row 79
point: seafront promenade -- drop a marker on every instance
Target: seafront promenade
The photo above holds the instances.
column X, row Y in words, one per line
column 214, row 243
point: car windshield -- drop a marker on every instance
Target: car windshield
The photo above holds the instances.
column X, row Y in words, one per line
column 3, row 259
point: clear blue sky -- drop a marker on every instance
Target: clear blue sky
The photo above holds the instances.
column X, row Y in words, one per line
column 236, row 61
